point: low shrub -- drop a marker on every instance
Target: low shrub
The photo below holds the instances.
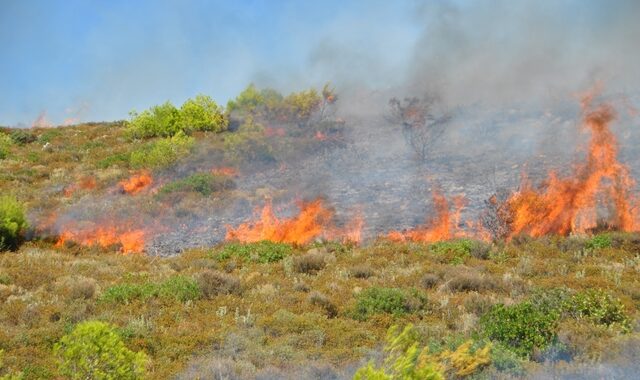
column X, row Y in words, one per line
column 93, row 350
column 456, row 251
column 470, row 282
column 600, row 308
column 521, row 327
column 82, row 288
column 213, row 283
column 13, row 223
column 179, row 288
column 309, row 263
column 261, row 252
column 319, row 299
column 5, row 144
column 429, row 280
column 161, row 153
column 202, row 183
column 361, row 271
column 600, row 241
column 380, row 300
column 21, row 137
column 202, row 114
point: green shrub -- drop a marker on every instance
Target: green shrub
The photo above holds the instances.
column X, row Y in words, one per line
column 599, row 241
column 161, row 153
column 21, row 137
column 600, row 308
column 380, row 300
column 248, row 143
column 13, row 222
column 119, row 158
column 158, row 121
column 248, row 100
column 179, row 288
column 93, row 350
column 202, row 114
column 261, row 252
column 203, row 183
column 5, row 144
column 521, row 327
column 456, row 250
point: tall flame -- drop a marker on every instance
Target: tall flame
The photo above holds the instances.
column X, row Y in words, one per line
column 310, row 223
column 443, row 226
column 571, row 204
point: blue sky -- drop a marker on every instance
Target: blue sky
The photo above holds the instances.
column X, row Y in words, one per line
column 98, row 60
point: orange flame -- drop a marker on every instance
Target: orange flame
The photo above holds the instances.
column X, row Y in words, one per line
column 570, row 205
column 86, row 183
column 443, row 226
column 310, row 223
column 136, row 183
column 225, row 171
column 320, row 136
column 129, row 240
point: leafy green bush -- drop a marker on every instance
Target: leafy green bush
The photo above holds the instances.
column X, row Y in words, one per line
column 600, row 308
column 248, row 143
column 165, row 120
column 380, row 300
column 203, row 183
column 599, row 241
column 12, row 222
column 260, row 252
column 456, row 250
column 202, row 114
column 248, row 100
column 93, row 350
column 161, row 153
column 158, row 121
column 5, row 144
column 179, row 288
column 119, row 158
column 21, row 137
column 521, row 327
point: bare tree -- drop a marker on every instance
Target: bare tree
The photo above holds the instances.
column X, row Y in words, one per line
column 422, row 127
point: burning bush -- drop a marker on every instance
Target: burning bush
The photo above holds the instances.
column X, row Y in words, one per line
column 13, row 222
column 161, row 153
column 136, row 183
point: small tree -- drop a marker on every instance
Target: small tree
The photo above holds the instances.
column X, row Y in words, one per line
column 5, row 144
column 12, row 222
column 421, row 127
column 93, row 350
column 162, row 120
column 202, row 114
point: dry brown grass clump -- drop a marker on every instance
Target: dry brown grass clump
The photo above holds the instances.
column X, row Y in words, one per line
column 319, row 299
column 309, row 263
column 361, row 271
column 213, row 283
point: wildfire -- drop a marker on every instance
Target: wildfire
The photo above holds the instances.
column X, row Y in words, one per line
column 320, row 136
column 86, row 183
column 443, row 226
column 572, row 204
column 104, row 235
column 225, row 171
column 136, row 183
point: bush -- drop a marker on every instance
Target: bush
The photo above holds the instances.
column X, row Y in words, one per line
column 429, row 280
column 261, row 252
column 380, row 300
column 599, row 308
column 309, row 263
column 5, row 144
column 203, row 183
column 21, row 137
column 161, row 153
column 599, row 242
column 202, row 114
column 13, row 222
column 213, row 283
column 521, row 327
column 361, row 271
column 158, row 121
column 319, row 299
column 471, row 281
column 180, row 288
column 93, row 350
column 456, row 250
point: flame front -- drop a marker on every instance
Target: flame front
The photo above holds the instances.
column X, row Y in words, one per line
column 570, row 205
column 104, row 235
column 443, row 226
column 136, row 183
